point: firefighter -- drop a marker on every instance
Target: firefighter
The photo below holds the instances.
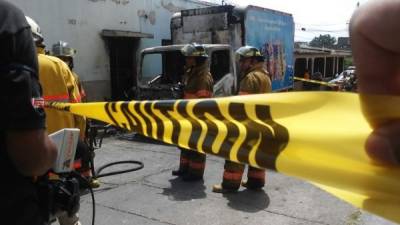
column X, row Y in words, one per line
column 198, row 83
column 59, row 85
column 254, row 79
column 62, row 50
column 63, row 88
column 57, row 82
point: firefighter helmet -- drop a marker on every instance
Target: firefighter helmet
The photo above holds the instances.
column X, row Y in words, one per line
column 36, row 32
column 194, row 50
column 61, row 48
column 249, row 52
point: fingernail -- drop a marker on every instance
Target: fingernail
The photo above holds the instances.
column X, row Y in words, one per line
column 381, row 150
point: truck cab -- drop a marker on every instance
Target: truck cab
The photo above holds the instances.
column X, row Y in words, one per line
column 161, row 69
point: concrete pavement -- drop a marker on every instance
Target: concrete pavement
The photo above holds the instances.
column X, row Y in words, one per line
column 153, row 196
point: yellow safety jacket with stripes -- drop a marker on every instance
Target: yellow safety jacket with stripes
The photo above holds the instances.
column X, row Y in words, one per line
column 58, row 84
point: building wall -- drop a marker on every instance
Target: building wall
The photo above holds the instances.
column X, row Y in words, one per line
column 80, row 22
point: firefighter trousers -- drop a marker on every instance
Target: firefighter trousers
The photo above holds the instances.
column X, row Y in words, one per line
column 233, row 172
column 83, row 159
column 192, row 164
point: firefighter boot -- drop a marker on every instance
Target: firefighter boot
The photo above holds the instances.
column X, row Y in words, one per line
column 178, row 172
column 256, row 179
column 217, row 188
column 231, row 179
column 245, row 184
column 197, row 163
column 183, row 163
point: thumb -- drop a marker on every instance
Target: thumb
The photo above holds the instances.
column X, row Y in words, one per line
column 383, row 144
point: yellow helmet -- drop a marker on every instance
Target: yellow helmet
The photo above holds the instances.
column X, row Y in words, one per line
column 194, row 50
column 61, row 48
column 249, row 52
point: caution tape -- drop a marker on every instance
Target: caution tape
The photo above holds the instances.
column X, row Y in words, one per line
column 316, row 136
column 316, row 82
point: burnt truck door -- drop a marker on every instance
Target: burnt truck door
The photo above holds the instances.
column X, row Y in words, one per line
column 223, row 70
column 160, row 74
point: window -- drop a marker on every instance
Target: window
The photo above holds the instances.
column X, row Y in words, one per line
column 151, row 67
column 174, row 64
column 220, row 64
column 163, row 67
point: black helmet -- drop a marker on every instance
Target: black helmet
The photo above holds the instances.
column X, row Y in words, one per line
column 249, row 52
column 61, row 48
column 194, row 50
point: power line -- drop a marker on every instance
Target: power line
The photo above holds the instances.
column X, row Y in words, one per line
column 321, row 31
column 321, row 24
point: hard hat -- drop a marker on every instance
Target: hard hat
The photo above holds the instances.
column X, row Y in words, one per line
column 61, row 48
column 194, row 50
column 249, row 52
column 36, row 32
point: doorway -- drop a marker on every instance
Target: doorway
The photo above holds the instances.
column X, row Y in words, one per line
column 122, row 52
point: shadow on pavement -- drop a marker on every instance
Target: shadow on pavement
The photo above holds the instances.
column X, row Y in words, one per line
column 248, row 200
column 139, row 138
column 185, row 191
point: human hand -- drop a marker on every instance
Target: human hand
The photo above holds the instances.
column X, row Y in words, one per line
column 375, row 36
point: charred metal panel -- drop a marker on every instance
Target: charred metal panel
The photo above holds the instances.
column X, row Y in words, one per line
column 203, row 23
column 198, row 37
column 231, row 35
column 212, row 25
column 207, row 11
column 236, row 36
column 177, row 36
column 123, row 2
column 176, row 29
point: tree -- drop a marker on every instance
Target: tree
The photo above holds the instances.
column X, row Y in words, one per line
column 348, row 61
column 323, row 41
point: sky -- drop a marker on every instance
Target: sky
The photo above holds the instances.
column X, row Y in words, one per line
column 315, row 16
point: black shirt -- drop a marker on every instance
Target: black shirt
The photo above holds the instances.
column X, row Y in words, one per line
column 18, row 87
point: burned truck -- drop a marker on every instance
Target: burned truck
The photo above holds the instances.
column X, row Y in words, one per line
column 223, row 29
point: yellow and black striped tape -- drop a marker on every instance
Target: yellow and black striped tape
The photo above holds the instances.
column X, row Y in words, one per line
column 316, row 136
column 316, row 82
